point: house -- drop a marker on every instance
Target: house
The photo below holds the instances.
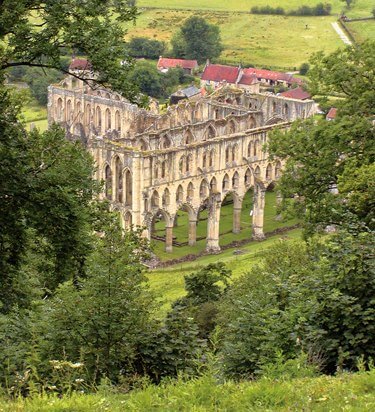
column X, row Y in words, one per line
column 165, row 63
column 190, row 93
column 249, row 82
column 272, row 78
column 331, row 115
column 215, row 75
column 297, row 93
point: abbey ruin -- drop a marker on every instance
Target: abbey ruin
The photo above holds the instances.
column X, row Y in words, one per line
column 189, row 158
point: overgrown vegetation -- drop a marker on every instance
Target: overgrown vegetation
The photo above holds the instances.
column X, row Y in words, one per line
column 76, row 313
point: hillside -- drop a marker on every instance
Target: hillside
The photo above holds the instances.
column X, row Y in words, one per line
column 279, row 42
column 349, row 392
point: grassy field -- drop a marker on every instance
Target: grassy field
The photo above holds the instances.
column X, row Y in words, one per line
column 361, row 7
column 168, row 283
column 362, row 30
column 274, row 41
column 345, row 392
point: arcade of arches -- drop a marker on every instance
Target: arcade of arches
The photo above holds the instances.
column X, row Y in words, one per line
column 187, row 162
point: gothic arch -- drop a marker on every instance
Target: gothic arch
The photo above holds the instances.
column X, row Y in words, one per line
column 190, row 192
column 213, row 185
column 189, row 163
column 232, row 127
column 257, row 172
column 250, row 149
column 128, row 188
column 235, row 180
column 165, row 142
column 166, row 198
column 108, row 120
column 211, row 158
column 248, row 177
column 69, row 112
column 118, row 180
column 155, row 200
column 204, row 189
column 108, row 181
column 188, row 137
column 117, row 121
column 179, row 194
column 211, row 132
column 269, row 171
column 226, row 183
column 98, row 118
column 234, row 152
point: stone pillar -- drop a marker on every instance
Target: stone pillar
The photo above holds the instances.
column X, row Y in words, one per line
column 168, row 239
column 237, row 207
column 258, row 212
column 213, row 224
column 192, row 232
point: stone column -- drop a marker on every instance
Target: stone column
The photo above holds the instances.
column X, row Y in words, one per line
column 237, row 207
column 192, row 232
column 168, row 239
column 258, row 212
column 213, row 224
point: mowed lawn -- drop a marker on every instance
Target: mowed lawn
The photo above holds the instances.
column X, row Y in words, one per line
column 273, row 41
column 360, row 9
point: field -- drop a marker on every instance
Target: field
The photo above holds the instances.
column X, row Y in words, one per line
column 360, row 9
column 273, row 41
column 345, row 392
column 278, row 42
column 362, row 30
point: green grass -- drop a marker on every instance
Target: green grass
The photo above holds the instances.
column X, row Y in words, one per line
column 346, row 392
column 360, row 8
column 362, row 30
column 168, row 283
column 226, row 236
column 274, row 41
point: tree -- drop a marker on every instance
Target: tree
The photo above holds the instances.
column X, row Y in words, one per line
column 304, row 68
column 197, row 39
column 325, row 157
column 103, row 321
column 46, row 184
column 39, row 81
column 35, row 34
column 314, row 297
column 144, row 47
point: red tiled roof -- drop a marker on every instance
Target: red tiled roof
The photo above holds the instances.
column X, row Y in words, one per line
column 165, row 63
column 80, row 64
column 297, row 93
column 332, row 113
column 219, row 73
column 248, row 79
column 267, row 74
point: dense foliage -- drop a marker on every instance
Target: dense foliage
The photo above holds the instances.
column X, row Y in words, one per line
column 156, row 84
column 321, row 9
column 330, row 165
column 198, row 40
column 146, row 48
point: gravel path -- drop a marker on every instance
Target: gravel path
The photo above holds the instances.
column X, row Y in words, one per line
column 341, row 33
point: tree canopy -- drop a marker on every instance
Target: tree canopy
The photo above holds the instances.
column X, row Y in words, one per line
column 37, row 33
column 197, row 39
column 330, row 165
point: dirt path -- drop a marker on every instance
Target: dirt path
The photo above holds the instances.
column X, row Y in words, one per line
column 341, row 33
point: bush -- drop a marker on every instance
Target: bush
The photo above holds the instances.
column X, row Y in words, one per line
column 304, row 68
column 146, row 48
column 319, row 10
